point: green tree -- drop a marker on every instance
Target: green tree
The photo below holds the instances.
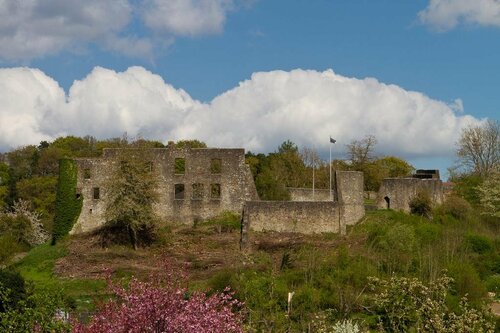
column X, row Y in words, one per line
column 41, row 193
column 131, row 193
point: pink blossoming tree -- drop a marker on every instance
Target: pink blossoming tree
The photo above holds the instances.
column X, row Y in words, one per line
column 161, row 305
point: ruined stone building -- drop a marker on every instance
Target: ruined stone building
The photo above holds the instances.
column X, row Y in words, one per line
column 396, row 193
column 194, row 184
column 345, row 207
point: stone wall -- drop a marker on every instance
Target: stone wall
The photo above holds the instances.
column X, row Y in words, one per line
column 307, row 194
column 233, row 179
column 308, row 217
column 349, row 191
column 396, row 193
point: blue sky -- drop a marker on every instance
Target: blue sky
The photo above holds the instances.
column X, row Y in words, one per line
column 252, row 73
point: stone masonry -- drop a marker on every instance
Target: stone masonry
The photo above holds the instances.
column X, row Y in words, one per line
column 309, row 217
column 193, row 184
column 396, row 193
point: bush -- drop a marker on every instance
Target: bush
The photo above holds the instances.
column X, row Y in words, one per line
column 478, row 243
column 8, row 247
column 41, row 311
column 493, row 283
column 423, row 308
column 16, row 226
column 17, row 290
column 226, row 222
column 457, row 207
column 467, row 282
column 421, row 204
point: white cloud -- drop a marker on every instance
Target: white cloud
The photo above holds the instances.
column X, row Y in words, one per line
column 187, row 17
column 28, row 100
column 259, row 114
column 34, row 28
column 446, row 14
column 31, row 29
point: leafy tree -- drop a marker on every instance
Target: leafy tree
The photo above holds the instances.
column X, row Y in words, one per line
column 131, row 193
column 163, row 306
column 478, row 148
column 41, row 193
column 4, row 174
column 392, row 167
column 489, row 194
column 23, row 162
column 72, row 146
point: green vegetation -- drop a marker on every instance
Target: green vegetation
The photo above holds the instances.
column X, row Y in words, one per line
column 225, row 222
column 38, row 267
column 68, row 207
column 334, row 281
column 131, row 193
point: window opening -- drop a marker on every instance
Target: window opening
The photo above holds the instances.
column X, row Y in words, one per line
column 86, row 173
column 215, row 191
column 197, row 191
column 216, row 165
column 179, row 192
column 180, row 166
column 96, row 193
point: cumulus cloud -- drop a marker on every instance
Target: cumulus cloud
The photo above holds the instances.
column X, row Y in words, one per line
column 33, row 28
column 444, row 15
column 305, row 106
column 28, row 101
column 187, row 17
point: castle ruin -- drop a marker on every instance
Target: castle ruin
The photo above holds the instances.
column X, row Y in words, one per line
column 193, row 184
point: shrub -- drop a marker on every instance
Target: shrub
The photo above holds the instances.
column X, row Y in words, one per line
column 8, row 247
column 478, row 243
column 493, row 283
column 466, row 282
column 40, row 311
column 345, row 326
column 17, row 290
column 421, row 204
column 457, row 207
column 422, row 308
column 226, row 221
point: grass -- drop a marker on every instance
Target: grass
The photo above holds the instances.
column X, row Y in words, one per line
column 38, row 267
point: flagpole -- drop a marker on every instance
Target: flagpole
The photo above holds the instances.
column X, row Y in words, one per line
column 331, row 198
column 314, row 165
column 332, row 141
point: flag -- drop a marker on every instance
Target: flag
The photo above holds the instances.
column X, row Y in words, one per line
column 332, row 140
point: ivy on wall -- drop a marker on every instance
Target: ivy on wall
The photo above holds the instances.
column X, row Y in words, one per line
column 68, row 206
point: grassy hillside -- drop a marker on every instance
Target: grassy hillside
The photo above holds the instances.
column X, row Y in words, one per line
column 328, row 273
